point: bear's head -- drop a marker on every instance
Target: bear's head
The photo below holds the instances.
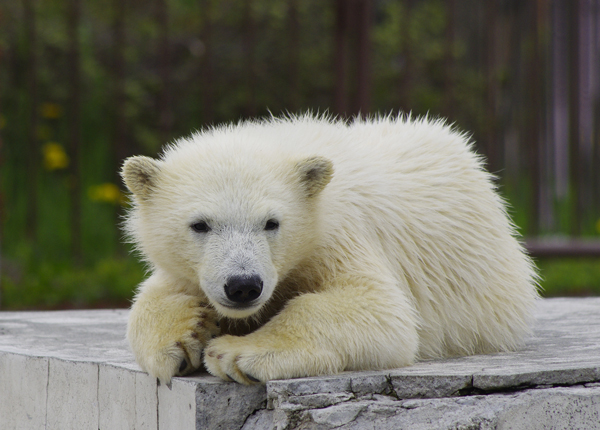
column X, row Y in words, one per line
column 234, row 222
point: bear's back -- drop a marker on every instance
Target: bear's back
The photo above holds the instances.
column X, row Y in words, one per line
column 414, row 193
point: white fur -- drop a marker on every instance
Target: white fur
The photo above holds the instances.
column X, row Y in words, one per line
column 407, row 253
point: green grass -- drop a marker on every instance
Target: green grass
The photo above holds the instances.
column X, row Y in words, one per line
column 109, row 283
column 570, row 276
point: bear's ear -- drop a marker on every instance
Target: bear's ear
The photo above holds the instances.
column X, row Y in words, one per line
column 139, row 174
column 315, row 173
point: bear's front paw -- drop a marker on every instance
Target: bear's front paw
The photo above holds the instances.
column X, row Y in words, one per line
column 255, row 359
column 233, row 359
column 171, row 344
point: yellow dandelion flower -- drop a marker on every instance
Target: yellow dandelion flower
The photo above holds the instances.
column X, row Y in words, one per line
column 106, row 193
column 598, row 226
column 55, row 157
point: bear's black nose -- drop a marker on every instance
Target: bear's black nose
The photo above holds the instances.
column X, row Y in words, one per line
column 243, row 289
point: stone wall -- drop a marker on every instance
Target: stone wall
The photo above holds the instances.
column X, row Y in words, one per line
column 73, row 370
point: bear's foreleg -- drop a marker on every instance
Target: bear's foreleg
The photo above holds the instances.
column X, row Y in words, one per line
column 169, row 326
column 357, row 323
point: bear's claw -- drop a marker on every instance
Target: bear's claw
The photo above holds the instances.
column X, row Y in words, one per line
column 252, row 378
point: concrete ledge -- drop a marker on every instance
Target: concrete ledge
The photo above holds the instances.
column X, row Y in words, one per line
column 73, row 370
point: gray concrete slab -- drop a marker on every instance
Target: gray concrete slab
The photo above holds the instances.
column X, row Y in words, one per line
column 23, row 394
column 73, row 369
column 93, row 336
column 177, row 405
column 72, row 386
column 116, row 398
column 146, row 402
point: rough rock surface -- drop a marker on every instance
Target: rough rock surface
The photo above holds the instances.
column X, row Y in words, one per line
column 73, row 369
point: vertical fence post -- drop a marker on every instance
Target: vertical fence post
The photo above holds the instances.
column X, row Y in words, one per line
column 32, row 112
column 340, row 102
column 595, row 91
column 491, row 84
column 547, row 215
column 574, row 135
column 165, row 119
column 586, row 107
column 74, row 125
column 535, row 120
column 293, row 55
column 119, row 144
column 406, row 82
column 2, row 209
column 208, row 96
column 560, row 99
column 249, row 49
column 363, row 58
column 449, row 60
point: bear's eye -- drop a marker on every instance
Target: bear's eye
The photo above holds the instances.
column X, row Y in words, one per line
column 272, row 225
column 200, row 227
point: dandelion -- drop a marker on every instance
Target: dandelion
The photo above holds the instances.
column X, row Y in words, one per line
column 106, row 193
column 55, row 157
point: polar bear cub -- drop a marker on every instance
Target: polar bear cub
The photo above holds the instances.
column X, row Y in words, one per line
column 304, row 246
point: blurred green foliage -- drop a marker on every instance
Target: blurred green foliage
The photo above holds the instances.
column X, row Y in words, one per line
column 45, row 284
column 410, row 54
column 570, row 276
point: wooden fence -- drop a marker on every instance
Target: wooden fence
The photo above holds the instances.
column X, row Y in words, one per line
column 130, row 75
